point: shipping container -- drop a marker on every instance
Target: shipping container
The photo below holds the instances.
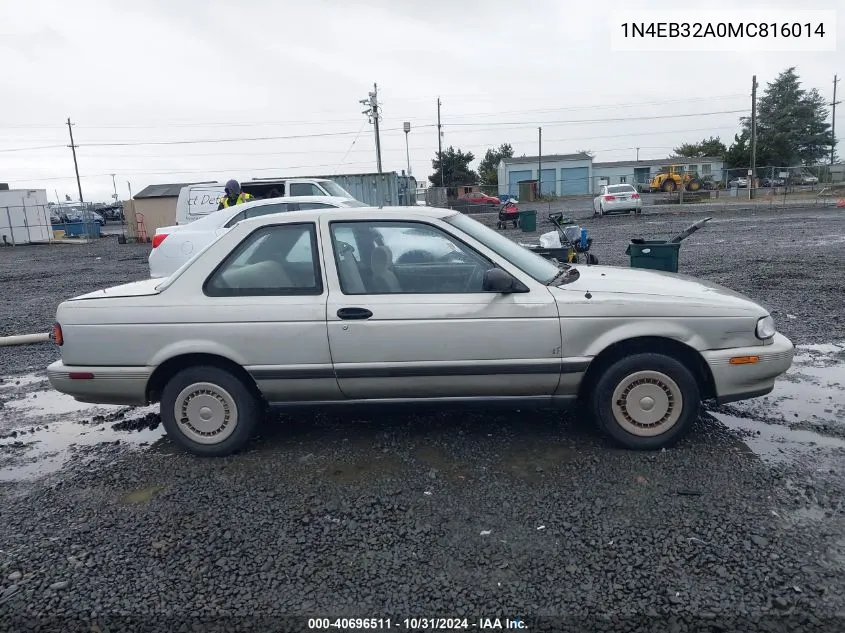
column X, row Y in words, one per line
column 387, row 189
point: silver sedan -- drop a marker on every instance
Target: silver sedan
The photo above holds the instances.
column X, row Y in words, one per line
column 409, row 304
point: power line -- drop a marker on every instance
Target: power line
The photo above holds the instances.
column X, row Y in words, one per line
column 490, row 126
column 229, row 169
column 24, row 149
column 583, row 121
column 193, row 124
column 481, row 145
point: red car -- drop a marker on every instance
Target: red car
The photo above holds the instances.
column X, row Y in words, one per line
column 479, row 197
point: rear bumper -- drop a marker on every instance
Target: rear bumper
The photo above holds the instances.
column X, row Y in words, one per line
column 110, row 385
column 741, row 382
column 627, row 205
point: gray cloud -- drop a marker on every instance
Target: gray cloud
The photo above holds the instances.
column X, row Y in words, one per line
column 164, row 70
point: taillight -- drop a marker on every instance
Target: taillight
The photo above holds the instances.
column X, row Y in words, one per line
column 56, row 334
column 609, row 198
column 635, row 196
column 158, row 238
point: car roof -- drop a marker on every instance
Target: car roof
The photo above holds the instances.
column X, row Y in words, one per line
column 281, row 199
column 352, row 213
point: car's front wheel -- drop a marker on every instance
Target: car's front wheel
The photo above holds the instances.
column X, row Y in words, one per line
column 646, row 401
column 209, row 411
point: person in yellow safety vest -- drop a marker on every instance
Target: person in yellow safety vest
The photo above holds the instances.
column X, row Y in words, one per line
column 234, row 195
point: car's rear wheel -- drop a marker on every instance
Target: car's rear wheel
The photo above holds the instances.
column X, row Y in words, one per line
column 209, row 411
column 646, row 401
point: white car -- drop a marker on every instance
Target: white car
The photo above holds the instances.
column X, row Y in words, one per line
column 318, row 308
column 175, row 245
column 617, row 199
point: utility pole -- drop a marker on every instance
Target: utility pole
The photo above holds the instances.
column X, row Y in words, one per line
column 833, row 120
column 752, row 171
column 439, row 143
column 407, row 127
column 75, row 164
column 114, row 184
column 638, row 154
column 372, row 113
column 539, row 162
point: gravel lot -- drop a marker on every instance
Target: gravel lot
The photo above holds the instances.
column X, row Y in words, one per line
column 408, row 514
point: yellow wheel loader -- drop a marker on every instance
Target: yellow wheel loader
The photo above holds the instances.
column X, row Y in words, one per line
column 674, row 178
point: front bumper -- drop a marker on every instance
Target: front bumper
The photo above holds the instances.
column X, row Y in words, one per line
column 110, row 385
column 751, row 380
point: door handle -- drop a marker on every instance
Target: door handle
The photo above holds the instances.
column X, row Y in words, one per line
column 354, row 313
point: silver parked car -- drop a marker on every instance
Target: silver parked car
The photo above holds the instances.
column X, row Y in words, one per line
column 409, row 304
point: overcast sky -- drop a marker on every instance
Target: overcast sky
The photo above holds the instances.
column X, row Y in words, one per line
column 165, row 71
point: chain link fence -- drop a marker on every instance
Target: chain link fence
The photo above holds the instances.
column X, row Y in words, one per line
column 44, row 224
column 782, row 179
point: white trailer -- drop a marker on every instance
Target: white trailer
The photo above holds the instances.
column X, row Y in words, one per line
column 24, row 217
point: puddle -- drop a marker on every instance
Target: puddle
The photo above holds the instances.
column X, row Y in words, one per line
column 46, row 451
column 20, row 382
column 43, row 429
column 43, row 403
column 775, row 442
column 812, row 392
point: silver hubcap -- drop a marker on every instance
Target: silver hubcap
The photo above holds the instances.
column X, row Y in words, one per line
column 206, row 413
column 647, row 403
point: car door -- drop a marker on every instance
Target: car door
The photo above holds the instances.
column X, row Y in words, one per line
column 597, row 199
column 407, row 317
column 264, row 306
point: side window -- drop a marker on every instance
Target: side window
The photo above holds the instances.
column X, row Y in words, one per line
column 305, row 206
column 305, row 189
column 405, row 258
column 266, row 209
column 237, row 218
column 272, row 261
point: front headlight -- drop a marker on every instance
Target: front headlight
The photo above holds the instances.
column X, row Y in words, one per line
column 765, row 328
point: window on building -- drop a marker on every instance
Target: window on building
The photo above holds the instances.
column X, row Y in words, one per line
column 623, row 179
column 692, row 168
column 706, row 169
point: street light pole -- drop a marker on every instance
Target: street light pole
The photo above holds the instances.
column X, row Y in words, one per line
column 407, row 127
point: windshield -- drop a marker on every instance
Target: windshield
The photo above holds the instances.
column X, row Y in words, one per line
column 530, row 263
column 335, row 189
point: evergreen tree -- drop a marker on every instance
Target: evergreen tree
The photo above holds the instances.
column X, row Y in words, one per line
column 456, row 169
column 488, row 168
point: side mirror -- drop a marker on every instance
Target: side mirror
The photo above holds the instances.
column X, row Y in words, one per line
column 497, row 280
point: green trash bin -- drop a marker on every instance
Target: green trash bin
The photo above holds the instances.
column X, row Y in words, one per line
column 654, row 255
column 528, row 221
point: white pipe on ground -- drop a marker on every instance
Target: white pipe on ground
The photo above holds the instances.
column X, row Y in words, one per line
column 23, row 339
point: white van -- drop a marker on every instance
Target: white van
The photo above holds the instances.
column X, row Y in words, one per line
column 197, row 201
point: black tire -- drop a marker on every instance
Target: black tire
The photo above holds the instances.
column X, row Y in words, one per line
column 669, row 185
column 665, row 375
column 231, row 392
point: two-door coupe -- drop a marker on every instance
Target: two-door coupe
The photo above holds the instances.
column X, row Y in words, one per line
column 409, row 304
